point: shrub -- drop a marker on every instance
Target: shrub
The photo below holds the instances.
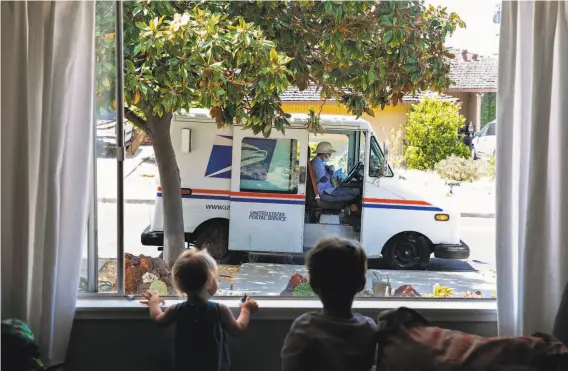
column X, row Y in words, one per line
column 458, row 168
column 303, row 289
column 440, row 291
column 491, row 168
column 432, row 134
column 159, row 287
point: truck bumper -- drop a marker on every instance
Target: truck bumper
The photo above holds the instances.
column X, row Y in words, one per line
column 460, row 251
column 152, row 238
column 156, row 238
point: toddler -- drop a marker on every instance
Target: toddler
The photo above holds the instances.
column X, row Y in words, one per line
column 200, row 324
column 335, row 338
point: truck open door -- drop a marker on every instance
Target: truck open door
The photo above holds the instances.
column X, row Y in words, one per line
column 268, row 190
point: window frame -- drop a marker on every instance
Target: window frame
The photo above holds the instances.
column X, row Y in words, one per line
column 390, row 173
column 118, row 302
column 349, row 160
column 461, row 310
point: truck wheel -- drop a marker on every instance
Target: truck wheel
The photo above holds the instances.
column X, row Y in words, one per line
column 408, row 251
column 215, row 238
column 110, row 151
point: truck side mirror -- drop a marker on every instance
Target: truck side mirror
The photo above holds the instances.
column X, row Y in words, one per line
column 385, row 163
column 376, row 173
column 477, row 134
column 379, row 170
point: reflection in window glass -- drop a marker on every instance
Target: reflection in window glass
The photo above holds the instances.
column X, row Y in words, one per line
column 105, row 145
column 269, row 165
column 272, row 165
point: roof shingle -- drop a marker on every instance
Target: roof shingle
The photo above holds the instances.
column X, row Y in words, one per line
column 467, row 75
column 313, row 94
column 480, row 74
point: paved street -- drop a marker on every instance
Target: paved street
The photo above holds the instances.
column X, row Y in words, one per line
column 478, row 233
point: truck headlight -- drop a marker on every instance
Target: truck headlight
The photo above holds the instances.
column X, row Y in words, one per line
column 442, row 217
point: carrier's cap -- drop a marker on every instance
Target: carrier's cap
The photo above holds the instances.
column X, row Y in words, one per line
column 324, row 147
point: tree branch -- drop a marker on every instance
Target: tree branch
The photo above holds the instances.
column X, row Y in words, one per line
column 136, row 120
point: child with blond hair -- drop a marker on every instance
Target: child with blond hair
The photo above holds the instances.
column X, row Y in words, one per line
column 200, row 324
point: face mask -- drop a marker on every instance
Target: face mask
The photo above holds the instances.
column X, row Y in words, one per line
column 326, row 159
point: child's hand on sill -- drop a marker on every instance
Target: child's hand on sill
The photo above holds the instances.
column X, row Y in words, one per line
column 152, row 298
column 250, row 304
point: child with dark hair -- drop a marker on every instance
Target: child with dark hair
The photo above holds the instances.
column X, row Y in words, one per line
column 335, row 338
column 200, row 340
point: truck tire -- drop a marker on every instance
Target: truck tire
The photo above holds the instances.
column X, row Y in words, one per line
column 407, row 251
column 110, row 151
column 215, row 238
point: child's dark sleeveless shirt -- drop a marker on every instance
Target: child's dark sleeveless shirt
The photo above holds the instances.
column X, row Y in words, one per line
column 200, row 341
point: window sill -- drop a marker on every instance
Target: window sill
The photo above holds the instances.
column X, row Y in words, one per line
column 440, row 310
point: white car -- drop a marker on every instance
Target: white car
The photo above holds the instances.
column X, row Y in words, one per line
column 106, row 135
column 484, row 142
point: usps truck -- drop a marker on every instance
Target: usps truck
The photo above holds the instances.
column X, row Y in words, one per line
column 245, row 193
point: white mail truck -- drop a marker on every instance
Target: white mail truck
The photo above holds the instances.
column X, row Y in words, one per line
column 245, row 193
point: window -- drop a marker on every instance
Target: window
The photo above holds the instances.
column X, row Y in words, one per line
column 362, row 146
column 485, row 130
column 377, row 160
column 128, row 205
column 100, row 261
column 269, row 165
column 491, row 129
column 340, row 143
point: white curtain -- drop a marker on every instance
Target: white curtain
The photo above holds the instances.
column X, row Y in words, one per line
column 46, row 151
column 532, row 165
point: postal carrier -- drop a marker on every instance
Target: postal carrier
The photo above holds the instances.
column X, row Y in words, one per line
column 243, row 192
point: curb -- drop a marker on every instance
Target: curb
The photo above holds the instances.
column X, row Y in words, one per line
column 478, row 215
column 108, row 200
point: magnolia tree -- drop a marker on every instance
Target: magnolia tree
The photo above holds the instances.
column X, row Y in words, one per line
column 236, row 58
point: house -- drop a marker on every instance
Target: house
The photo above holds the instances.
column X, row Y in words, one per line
column 472, row 76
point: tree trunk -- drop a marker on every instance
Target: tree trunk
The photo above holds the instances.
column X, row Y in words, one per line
column 174, row 235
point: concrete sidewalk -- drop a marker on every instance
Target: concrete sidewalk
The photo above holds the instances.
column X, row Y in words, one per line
column 271, row 279
column 140, row 178
column 473, row 200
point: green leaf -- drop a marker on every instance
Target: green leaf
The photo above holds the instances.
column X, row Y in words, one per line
column 267, row 130
column 372, row 76
column 388, row 37
column 217, row 65
column 129, row 66
column 141, row 25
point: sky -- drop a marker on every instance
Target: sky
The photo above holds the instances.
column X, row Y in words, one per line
column 480, row 35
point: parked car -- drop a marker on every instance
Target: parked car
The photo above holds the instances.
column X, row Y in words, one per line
column 106, row 135
column 484, row 142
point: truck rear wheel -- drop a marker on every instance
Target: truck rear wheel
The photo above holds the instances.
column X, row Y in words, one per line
column 215, row 238
column 407, row 251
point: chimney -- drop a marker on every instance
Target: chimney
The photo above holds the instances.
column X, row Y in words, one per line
column 464, row 54
column 475, row 57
